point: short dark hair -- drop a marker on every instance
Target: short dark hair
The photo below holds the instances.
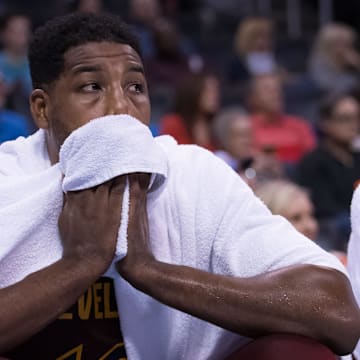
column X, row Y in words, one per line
column 52, row 40
column 328, row 104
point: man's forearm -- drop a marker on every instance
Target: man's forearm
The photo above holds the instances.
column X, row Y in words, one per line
column 88, row 225
column 29, row 305
column 305, row 300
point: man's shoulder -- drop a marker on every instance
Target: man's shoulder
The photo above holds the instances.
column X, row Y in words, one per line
column 194, row 162
column 193, row 157
column 24, row 155
column 182, row 152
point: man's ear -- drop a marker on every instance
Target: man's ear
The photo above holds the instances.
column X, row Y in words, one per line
column 39, row 106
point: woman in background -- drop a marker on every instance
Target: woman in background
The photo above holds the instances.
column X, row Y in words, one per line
column 331, row 171
column 293, row 202
column 253, row 49
column 335, row 62
column 197, row 100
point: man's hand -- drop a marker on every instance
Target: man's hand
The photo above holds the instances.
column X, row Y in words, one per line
column 273, row 302
column 138, row 253
column 89, row 223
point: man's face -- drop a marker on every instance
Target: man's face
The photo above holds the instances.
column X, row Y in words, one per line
column 241, row 138
column 343, row 126
column 267, row 94
column 98, row 79
column 16, row 36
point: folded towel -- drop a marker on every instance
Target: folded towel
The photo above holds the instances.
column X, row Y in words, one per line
column 89, row 156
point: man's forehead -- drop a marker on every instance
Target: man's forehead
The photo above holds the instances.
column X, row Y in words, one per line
column 98, row 52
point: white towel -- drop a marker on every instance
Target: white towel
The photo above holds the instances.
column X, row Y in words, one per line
column 213, row 223
column 89, row 156
column 30, row 202
column 354, row 251
column 204, row 217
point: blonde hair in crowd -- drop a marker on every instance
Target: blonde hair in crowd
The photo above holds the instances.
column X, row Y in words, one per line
column 329, row 37
column 248, row 30
column 277, row 194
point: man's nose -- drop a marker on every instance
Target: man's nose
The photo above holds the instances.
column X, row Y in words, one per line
column 116, row 102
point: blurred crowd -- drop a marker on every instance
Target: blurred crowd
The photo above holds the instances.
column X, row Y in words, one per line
column 283, row 114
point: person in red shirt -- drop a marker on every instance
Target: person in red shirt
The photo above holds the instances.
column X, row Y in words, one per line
column 197, row 100
column 290, row 137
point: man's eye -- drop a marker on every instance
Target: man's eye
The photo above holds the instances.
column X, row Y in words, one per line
column 90, row 87
column 138, row 88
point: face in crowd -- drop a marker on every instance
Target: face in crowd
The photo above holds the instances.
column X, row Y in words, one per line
column 300, row 212
column 266, row 95
column 342, row 125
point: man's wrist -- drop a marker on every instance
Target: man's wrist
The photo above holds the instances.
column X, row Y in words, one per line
column 138, row 272
column 84, row 268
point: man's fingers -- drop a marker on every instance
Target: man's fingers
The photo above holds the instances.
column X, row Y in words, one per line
column 116, row 195
column 118, row 185
column 111, row 192
column 139, row 182
column 65, row 197
column 144, row 180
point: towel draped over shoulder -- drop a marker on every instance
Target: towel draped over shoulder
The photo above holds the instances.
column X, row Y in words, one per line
column 201, row 215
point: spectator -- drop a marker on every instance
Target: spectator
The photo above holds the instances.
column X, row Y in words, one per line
column 12, row 124
column 288, row 136
column 335, row 62
column 331, row 170
column 195, row 105
column 15, row 36
column 143, row 14
column 87, row 6
column 233, row 132
column 253, row 48
column 173, row 57
column 293, row 202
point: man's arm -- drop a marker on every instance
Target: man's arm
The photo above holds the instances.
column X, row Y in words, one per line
column 88, row 226
column 307, row 300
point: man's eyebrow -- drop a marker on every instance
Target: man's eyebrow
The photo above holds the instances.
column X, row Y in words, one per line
column 85, row 68
column 136, row 68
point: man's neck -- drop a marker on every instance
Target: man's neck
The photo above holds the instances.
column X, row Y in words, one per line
column 52, row 151
column 269, row 117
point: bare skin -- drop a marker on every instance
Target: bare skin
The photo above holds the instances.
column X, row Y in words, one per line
column 90, row 219
column 306, row 300
column 106, row 78
column 89, row 224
